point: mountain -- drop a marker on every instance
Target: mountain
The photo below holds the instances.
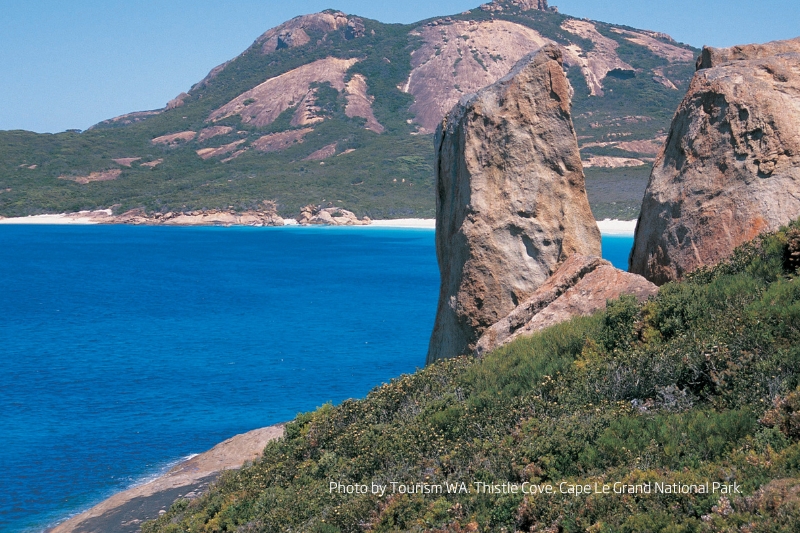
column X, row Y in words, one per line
column 335, row 108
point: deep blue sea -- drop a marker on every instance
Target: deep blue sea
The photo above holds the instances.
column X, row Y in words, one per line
column 125, row 348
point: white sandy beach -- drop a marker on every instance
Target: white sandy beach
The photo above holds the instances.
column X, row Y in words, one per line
column 621, row 228
column 81, row 217
column 607, row 226
column 406, row 223
column 102, row 217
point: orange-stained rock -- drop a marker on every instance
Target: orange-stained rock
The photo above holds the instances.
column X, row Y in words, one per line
column 510, row 199
column 730, row 168
column 175, row 138
column 261, row 105
column 580, row 287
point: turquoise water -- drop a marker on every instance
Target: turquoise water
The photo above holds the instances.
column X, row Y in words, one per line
column 126, row 348
column 616, row 249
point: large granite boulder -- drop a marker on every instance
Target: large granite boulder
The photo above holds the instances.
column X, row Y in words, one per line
column 730, row 168
column 510, row 199
column 580, row 287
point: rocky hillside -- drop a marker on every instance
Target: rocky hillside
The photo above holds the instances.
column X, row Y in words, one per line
column 685, row 407
column 334, row 108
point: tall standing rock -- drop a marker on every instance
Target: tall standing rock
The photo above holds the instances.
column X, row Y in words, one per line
column 510, row 199
column 730, row 168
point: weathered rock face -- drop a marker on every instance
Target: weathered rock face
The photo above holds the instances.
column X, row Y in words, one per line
column 175, row 138
column 359, row 103
column 261, row 105
column 597, row 62
column 329, row 216
column 265, row 215
column 355, row 29
column 523, row 5
column 178, row 101
column 323, row 153
column 510, row 199
column 730, row 168
column 581, row 286
column 213, row 131
column 293, row 33
column 458, row 58
column 713, row 57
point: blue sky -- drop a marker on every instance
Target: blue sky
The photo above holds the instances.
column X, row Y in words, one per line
column 70, row 64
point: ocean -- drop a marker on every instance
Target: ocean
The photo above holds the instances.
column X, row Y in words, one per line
column 127, row 348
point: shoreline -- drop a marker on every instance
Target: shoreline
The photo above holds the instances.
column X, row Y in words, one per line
column 610, row 227
column 125, row 511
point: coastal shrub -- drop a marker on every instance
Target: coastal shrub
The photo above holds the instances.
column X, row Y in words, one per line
column 697, row 385
column 620, row 324
column 519, row 367
column 785, row 415
column 683, row 440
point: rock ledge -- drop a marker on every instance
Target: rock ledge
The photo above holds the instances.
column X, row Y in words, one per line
column 580, row 287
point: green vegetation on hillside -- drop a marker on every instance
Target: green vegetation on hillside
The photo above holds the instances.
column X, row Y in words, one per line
column 616, row 192
column 387, row 176
column 698, row 384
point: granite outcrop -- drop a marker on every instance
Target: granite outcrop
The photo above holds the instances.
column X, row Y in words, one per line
column 264, row 216
column 511, row 202
column 329, row 216
column 730, row 167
